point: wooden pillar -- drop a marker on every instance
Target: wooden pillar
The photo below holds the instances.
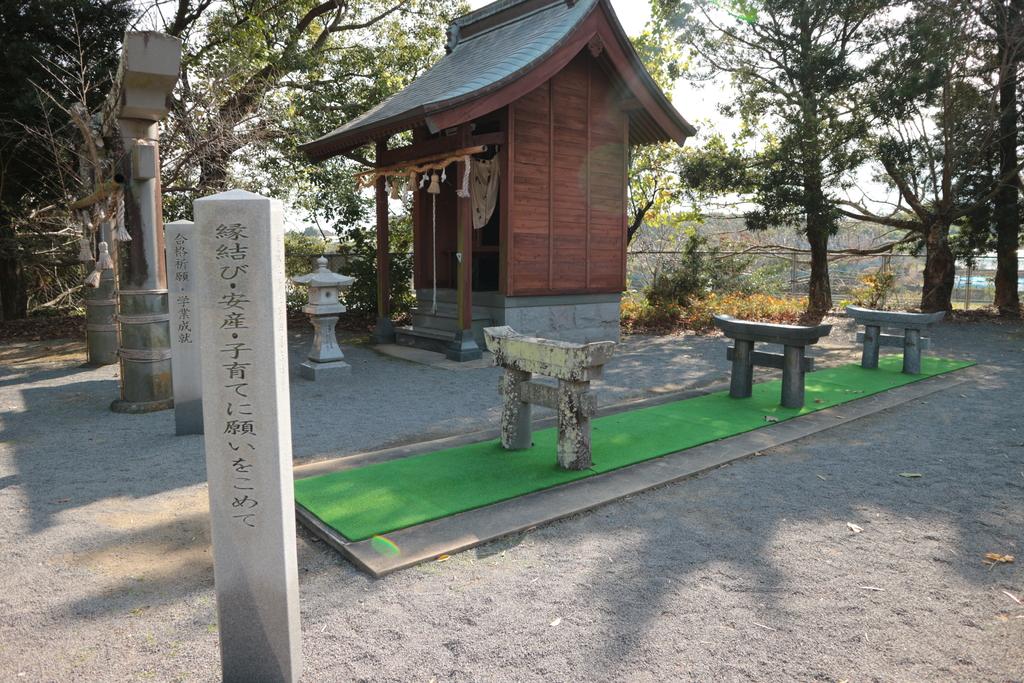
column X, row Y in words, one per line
column 385, row 331
column 464, row 347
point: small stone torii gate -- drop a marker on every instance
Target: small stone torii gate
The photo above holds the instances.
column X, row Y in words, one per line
column 573, row 365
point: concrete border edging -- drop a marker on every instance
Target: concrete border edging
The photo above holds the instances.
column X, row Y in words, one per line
column 427, row 541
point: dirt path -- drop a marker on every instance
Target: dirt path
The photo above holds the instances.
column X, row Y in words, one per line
column 749, row 573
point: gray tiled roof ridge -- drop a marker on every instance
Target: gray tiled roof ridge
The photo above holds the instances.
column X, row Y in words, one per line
column 493, row 8
column 476, row 66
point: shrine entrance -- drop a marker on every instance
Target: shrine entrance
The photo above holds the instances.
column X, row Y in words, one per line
column 515, row 147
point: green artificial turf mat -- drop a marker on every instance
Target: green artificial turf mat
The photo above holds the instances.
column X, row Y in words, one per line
column 377, row 499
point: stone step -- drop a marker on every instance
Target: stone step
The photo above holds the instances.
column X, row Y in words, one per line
column 428, row 338
column 447, row 307
column 444, row 320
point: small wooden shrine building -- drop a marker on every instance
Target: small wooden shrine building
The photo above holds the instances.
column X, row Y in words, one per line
column 517, row 165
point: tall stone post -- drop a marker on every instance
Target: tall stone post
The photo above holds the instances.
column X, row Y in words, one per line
column 516, row 414
column 240, row 255
column 148, row 71
column 741, row 385
column 185, row 344
column 101, row 301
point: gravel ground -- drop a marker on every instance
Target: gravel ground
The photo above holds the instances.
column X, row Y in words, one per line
column 748, row 573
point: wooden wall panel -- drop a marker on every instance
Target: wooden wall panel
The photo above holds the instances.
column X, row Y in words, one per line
column 531, row 178
column 566, row 229
column 607, row 187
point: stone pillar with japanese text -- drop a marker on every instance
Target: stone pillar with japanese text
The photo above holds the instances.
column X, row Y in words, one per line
column 239, row 253
column 179, row 241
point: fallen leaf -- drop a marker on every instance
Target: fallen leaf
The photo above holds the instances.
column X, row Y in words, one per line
column 819, row 400
column 557, row 621
column 443, row 558
column 996, row 558
column 770, row 418
column 854, row 528
column 911, row 475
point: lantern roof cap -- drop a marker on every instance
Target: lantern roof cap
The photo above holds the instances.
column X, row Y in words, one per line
column 323, row 277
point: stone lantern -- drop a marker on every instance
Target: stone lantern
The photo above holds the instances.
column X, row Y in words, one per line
column 323, row 309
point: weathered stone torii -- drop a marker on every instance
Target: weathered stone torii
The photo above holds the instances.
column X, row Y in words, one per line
column 573, row 365
column 912, row 325
column 138, row 102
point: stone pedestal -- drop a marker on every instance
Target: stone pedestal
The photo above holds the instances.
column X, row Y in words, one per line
column 246, row 411
column 463, row 347
column 101, row 321
column 326, row 358
column 185, row 364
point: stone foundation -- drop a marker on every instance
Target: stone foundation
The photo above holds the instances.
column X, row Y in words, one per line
column 579, row 318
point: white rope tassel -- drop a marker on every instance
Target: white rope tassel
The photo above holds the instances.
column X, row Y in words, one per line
column 84, row 249
column 121, row 234
column 105, row 262
column 84, row 243
column 93, row 279
column 464, row 190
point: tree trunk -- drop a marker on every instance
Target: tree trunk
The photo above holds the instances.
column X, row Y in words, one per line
column 939, row 269
column 1007, row 214
column 819, row 289
column 213, row 174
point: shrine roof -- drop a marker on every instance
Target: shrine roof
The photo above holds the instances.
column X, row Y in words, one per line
column 495, row 48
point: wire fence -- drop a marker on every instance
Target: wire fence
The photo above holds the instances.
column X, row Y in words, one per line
column 786, row 273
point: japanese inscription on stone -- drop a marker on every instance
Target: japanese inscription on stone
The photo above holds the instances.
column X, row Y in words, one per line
column 185, row 370
column 240, row 249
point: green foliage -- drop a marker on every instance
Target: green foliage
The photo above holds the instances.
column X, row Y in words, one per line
column 263, row 76
column 295, row 299
column 702, row 268
column 666, row 179
column 56, row 52
column 875, row 290
column 640, row 315
column 361, row 243
column 933, row 137
column 299, row 252
column 796, row 67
